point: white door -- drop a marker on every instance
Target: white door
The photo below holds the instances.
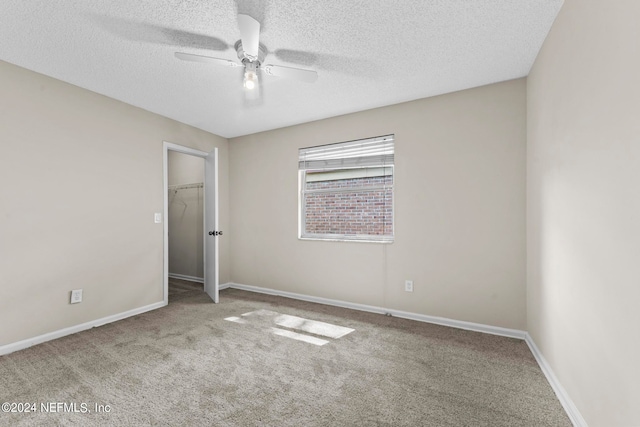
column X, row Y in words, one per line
column 211, row 231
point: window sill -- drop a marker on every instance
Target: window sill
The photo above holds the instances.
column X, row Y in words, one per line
column 341, row 240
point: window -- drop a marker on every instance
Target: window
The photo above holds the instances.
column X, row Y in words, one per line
column 346, row 190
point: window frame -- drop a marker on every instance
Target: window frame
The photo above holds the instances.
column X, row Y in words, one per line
column 302, row 192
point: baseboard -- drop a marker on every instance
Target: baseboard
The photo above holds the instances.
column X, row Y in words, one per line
column 566, row 402
column 224, row 286
column 185, row 277
column 470, row 326
column 20, row 345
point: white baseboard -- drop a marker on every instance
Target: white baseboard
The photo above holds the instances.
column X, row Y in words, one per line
column 185, row 277
column 568, row 405
column 20, row 345
column 470, row 326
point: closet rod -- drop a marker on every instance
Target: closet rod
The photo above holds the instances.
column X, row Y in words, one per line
column 186, row 186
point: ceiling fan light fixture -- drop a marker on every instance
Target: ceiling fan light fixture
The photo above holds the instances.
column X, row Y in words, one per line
column 250, row 75
column 250, row 80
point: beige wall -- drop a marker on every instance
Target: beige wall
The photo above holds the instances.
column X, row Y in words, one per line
column 81, row 179
column 186, row 228
column 459, row 210
column 584, row 207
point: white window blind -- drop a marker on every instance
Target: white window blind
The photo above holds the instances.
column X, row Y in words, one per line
column 378, row 151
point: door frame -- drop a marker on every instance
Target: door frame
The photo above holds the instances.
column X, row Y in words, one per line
column 166, row 147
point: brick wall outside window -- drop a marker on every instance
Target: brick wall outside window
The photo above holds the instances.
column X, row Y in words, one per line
column 361, row 212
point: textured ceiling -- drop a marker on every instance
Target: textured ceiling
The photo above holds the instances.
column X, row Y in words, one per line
column 368, row 53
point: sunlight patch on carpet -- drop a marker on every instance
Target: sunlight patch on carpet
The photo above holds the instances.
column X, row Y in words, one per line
column 299, row 337
column 267, row 318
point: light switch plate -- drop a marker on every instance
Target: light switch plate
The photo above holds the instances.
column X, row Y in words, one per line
column 157, row 218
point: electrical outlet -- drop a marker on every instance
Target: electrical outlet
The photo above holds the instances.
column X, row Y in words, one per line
column 76, row 296
column 408, row 285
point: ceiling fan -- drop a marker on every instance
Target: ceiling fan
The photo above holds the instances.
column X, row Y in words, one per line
column 251, row 55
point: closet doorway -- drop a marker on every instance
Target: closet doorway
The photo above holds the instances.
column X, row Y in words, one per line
column 185, row 218
column 191, row 217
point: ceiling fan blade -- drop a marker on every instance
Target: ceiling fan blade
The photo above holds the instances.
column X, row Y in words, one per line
column 308, row 76
column 150, row 33
column 207, row 59
column 249, row 34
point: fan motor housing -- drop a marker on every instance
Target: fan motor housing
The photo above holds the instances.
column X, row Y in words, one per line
column 243, row 57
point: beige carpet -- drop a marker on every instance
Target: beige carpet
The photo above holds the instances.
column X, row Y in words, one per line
column 186, row 365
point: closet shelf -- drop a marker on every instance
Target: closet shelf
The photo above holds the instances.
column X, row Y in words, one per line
column 186, row 186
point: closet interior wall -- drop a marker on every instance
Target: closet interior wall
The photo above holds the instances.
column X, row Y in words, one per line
column 186, row 177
